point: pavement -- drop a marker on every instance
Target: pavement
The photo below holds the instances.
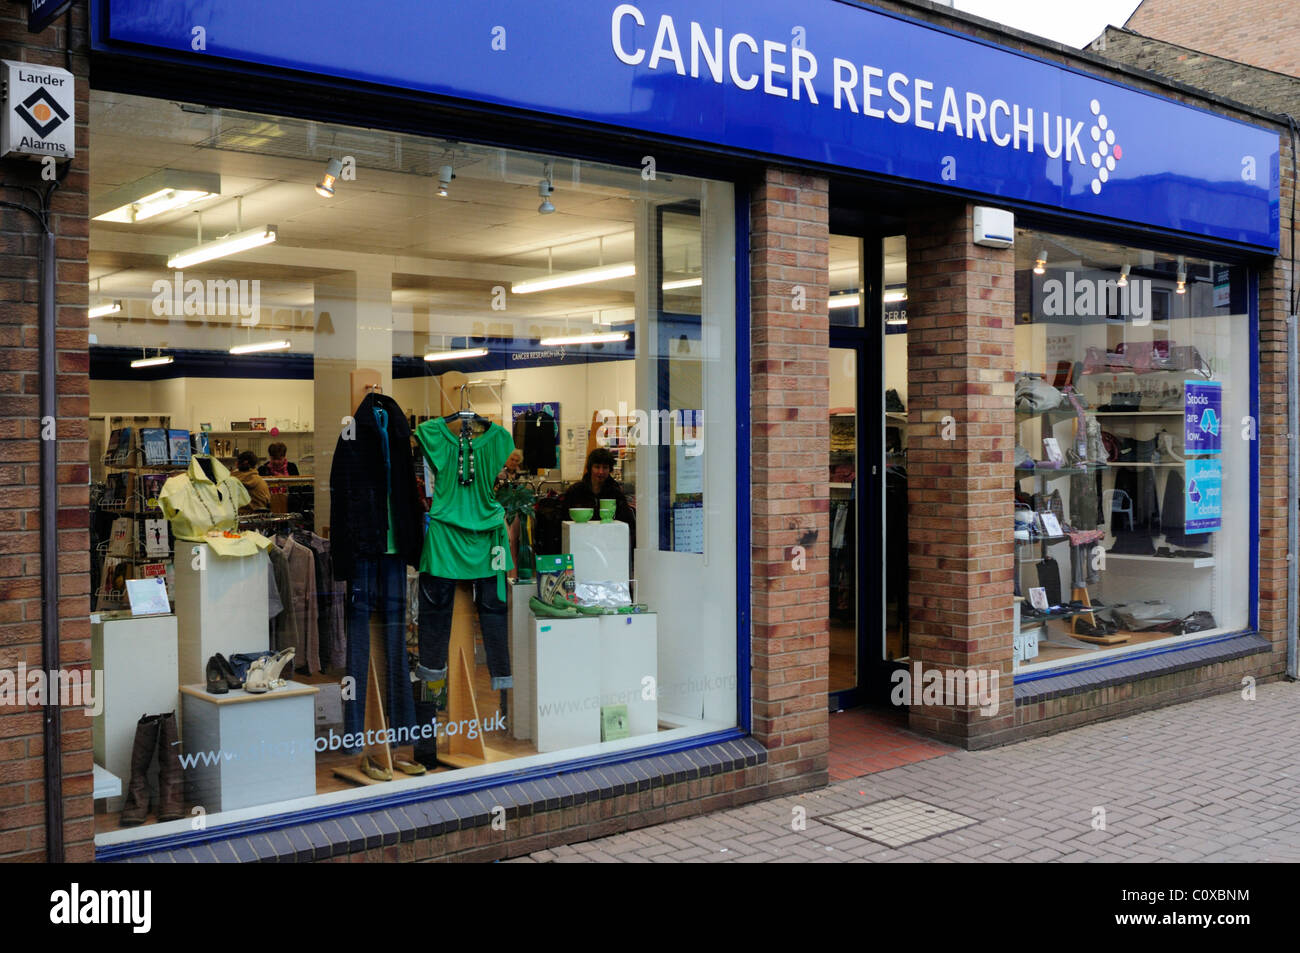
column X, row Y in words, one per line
column 1216, row 779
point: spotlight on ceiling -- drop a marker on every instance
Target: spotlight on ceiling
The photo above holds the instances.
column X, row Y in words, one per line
column 445, row 175
column 545, row 189
column 325, row 187
column 1182, row 276
column 1040, row 263
column 1123, row 276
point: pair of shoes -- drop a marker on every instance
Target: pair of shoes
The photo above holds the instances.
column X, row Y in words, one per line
column 155, row 733
column 264, row 674
column 374, row 771
column 409, row 767
column 221, row 675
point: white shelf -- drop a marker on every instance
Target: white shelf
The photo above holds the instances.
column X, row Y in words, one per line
column 1203, row 562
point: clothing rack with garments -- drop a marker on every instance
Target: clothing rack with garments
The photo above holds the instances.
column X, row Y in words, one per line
column 305, row 603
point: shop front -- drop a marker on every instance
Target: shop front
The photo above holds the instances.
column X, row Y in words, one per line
column 461, row 389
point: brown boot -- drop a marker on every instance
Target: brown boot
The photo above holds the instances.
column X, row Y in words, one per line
column 171, row 798
column 136, row 808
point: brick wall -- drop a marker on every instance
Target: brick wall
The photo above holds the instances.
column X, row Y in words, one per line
column 1263, row 33
column 789, row 408
column 22, row 787
column 961, row 382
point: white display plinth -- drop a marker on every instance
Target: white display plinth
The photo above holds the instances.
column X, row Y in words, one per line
column 600, row 550
column 139, row 660
column 629, row 653
column 523, row 713
column 566, row 682
column 221, row 606
column 261, row 747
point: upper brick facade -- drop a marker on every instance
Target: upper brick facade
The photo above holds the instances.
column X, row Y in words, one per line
column 1263, row 33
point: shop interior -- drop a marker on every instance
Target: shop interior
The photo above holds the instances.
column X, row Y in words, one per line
column 533, row 291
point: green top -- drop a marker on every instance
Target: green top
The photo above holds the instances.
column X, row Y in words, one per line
column 466, row 523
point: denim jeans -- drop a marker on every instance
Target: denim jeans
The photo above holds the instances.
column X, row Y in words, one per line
column 437, row 600
column 379, row 586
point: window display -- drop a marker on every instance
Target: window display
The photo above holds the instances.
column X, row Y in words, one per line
column 1134, row 447
column 372, row 433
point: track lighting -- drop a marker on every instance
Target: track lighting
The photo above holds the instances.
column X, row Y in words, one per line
column 445, row 175
column 545, row 189
column 1123, row 276
column 325, row 187
column 1040, row 263
column 1182, row 276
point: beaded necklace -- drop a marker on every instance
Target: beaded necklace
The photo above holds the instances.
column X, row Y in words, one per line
column 466, row 440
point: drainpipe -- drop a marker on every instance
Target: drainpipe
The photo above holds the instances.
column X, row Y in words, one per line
column 49, row 533
column 49, row 548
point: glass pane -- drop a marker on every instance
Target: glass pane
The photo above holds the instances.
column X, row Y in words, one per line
column 844, row 508
column 846, row 282
column 1133, row 448
column 894, row 309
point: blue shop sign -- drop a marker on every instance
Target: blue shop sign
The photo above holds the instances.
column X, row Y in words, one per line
column 826, row 82
column 41, row 13
column 1203, row 417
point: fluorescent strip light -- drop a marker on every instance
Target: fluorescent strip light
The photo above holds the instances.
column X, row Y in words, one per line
column 152, row 361
column 611, row 337
column 844, row 301
column 223, row 247
column 893, row 297
column 568, row 279
column 164, row 191
column 261, row 346
column 103, row 310
column 456, row 355
column 683, row 283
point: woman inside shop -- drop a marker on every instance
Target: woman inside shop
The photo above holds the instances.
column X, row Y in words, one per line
column 259, row 494
column 596, row 485
column 277, row 464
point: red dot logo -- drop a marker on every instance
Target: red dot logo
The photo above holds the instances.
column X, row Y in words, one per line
column 1119, row 153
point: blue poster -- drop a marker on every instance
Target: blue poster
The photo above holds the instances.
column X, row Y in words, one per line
column 1203, row 428
column 1204, row 489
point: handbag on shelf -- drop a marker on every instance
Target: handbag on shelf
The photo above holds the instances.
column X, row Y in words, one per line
column 1049, row 577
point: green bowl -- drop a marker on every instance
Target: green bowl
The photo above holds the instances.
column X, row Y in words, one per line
column 581, row 515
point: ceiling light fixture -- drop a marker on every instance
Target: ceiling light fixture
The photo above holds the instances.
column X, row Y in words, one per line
column 1182, row 276
column 612, row 337
column 568, row 279
column 163, row 191
column 325, row 187
column 445, row 175
column 1123, row 276
column 895, row 296
column 261, row 346
column 1040, row 263
column 224, row 247
column 467, row 352
column 148, row 361
column 546, row 188
column 104, row 310
column 844, row 301
column 683, row 283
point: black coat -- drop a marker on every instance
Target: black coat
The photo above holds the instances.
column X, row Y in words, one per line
column 359, row 496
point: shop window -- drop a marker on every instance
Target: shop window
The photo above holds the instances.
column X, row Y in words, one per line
column 1134, row 442
column 413, row 461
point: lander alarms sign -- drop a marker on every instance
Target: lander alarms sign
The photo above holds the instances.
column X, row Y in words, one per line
column 39, row 111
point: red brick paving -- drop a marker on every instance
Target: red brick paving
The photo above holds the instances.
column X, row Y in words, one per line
column 867, row 740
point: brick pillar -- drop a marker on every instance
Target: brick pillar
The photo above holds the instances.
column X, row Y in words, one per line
column 789, row 404
column 1272, row 425
column 960, row 492
column 22, row 755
